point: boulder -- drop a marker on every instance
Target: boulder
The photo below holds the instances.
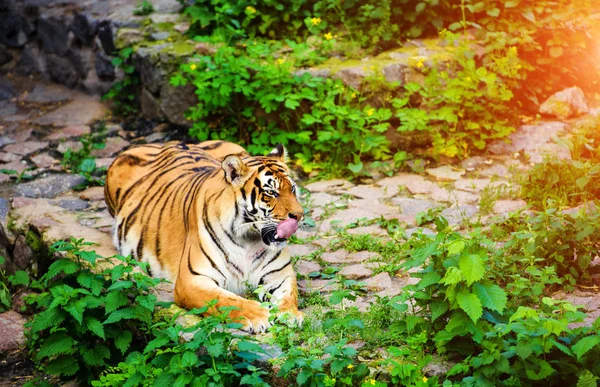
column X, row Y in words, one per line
column 53, row 35
column 352, row 76
column 83, row 29
column 12, row 327
column 14, row 29
column 31, row 60
column 49, row 187
column 62, row 70
column 104, row 67
column 175, row 101
column 566, row 103
column 106, row 37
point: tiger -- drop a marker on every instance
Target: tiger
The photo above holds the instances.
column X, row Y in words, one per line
column 207, row 217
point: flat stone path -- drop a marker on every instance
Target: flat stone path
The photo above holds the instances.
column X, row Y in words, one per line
column 43, row 120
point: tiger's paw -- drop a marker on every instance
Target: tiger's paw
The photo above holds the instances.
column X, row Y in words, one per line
column 291, row 317
column 255, row 319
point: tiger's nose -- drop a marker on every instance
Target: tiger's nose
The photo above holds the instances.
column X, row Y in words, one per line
column 298, row 215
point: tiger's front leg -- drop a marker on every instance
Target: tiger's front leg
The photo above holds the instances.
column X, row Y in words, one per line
column 195, row 287
column 282, row 286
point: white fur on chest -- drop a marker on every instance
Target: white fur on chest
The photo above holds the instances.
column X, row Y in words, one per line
column 251, row 261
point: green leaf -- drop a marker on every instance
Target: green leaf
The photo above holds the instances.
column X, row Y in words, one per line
column 19, row 278
column 491, row 296
column 95, row 326
column 453, row 276
column 494, row 12
column 355, row 167
column 587, row 379
column 456, row 247
column 585, row 345
column 76, row 310
column 48, row 318
column 64, row 265
column 62, row 365
column 470, row 303
column 215, row 350
column 123, row 341
column 524, row 349
column 87, row 165
column 95, row 356
column 118, row 315
column 429, row 279
column 115, row 300
column 420, row 7
column 56, row 344
column 189, row 359
column 438, row 308
column 472, row 267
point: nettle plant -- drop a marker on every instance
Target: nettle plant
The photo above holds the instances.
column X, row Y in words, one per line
column 462, row 102
column 251, row 96
column 90, row 317
column 463, row 310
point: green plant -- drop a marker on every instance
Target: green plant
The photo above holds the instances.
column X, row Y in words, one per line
column 82, row 162
column 91, row 314
column 123, row 92
column 143, row 8
column 20, row 176
column 213, row 356
column 9, row 284
column 253, row 97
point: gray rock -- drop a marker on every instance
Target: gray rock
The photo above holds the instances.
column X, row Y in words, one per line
column 506, row 206
column 72, row 204
column 352, row 76
column 533, row 140
column 342, row 257
column 92, row 193
column 104, row 67
column 475, row 162
column 69, row 131
column 321, row 73
column 5, row 55
column 106, row 37
column 18, row 166
column 31, row 60
column 8, row 157
column 6, row 140
column 150, row 105
column 49, row 187
column 498, row 170
column 566, row 103
column 445, row 173
column 304, row 268
column 83, row 29
column 23, row 255
column 43, row 160
column 368, row 192
column 356, row 271
column 49, row 93
column 25, row 148
column 4, row 209
column 455, row 215
column 12, row 328
column 162, row 35
column 53, row 35
column 63, row 147
column 397, row 72
column 84, row 110
column 410, row 206
column 176, row 101
column 14, row 29
column 328, row 185
column 63, row 70
column 7, row 108
column 129, row 36
column 151, row 73
column 113, row 146
column 6, row 87
column 378, row 282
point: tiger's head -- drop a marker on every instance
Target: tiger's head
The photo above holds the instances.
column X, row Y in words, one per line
column 266, row 195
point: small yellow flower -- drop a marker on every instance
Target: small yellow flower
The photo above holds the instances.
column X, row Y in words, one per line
column 468, row 79
column 371, row 382
column 425, row 379
column 370, row 112
column 353, row 95
column 193, row 66
column 328, row 36
column 419, row 64
column 251, row 9
column 315, row 20
column 280, row 60
column 350, row 366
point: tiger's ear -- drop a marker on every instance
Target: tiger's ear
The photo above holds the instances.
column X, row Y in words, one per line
column 236, row 172
column 278, row 153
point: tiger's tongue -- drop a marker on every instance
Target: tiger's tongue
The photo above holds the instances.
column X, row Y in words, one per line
column 287, row 228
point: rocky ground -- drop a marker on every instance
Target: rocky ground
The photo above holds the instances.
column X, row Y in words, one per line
column 40, row 121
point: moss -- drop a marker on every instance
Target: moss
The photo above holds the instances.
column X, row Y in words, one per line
column 34, row 241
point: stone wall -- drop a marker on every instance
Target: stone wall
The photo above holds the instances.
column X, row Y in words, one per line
column 67, row 41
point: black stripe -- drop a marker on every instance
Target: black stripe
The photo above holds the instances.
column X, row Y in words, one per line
column 261, row 282
column 196, row 273
column 273, row 290
column 272, row 259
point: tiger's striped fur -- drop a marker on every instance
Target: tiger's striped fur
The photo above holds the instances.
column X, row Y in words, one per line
column 205, row 217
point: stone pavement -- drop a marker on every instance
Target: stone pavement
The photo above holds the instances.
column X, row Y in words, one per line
column 42, row 120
